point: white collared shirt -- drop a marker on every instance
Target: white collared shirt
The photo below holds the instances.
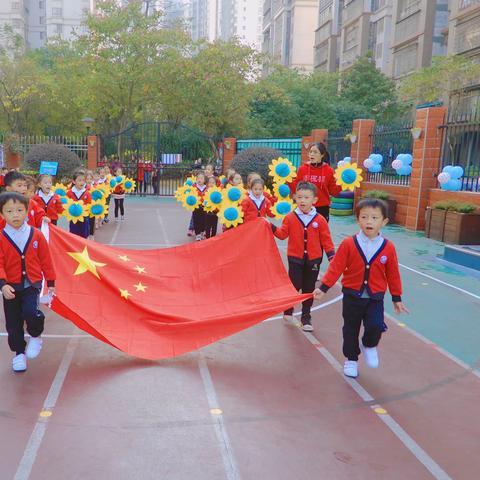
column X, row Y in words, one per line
column 369, row 246
column 257, row 201
column 306, row 218
column 45, row 198
column 78, row 193
column 19, row 236
column 201, row 187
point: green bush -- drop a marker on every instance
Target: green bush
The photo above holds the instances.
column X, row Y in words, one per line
column 454, row 206
column 380, row 194
column 68, row 161
column 254, row 160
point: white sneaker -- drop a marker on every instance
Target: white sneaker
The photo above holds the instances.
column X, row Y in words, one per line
column 198, row 237
column 34, row 347
column 371, row 356
column 290, row 320
column 117, row 219
column 350, row 368
column 19, row 363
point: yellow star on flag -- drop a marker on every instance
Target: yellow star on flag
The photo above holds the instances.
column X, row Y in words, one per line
column 85, row 263
column 140, row 269
column 140, row 287
column 124, row 258
column 124, row 294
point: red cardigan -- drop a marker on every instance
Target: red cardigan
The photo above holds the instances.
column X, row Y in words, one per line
column 85, row 196
column 53, row 208
column 35, row 215
column 200, row 193
column 358, row 274
column 251, row 211
column 35, row 260
column 306, row 242
column 323, row 178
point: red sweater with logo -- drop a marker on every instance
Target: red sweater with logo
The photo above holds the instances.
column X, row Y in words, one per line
column 251, row 211
column 358, row 274
column 35, row 215
column 53, row 208
column 85, row 196
column 305, row 243
column 35, row 260
column 322, row 177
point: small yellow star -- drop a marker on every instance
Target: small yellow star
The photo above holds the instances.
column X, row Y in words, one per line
column 140, row 269
column 124, row 258
column 85, row 263
column 140, row 287
column 124, row 294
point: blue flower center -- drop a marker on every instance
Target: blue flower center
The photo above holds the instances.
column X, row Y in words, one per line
column 191, row 200
column 283, row 208
column 349, row 176
column 97, row 209
column 282, row 170
column 231, row 214
column 75, row 210
column 216, row 197
column 234, row 194
column 284, row 190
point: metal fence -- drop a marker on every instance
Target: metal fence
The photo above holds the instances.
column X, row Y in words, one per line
column 338, row 146
column 461, row 146
column 291, row 148
column 389, row 141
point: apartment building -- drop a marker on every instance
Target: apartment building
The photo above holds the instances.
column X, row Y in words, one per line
column 289, row 32
column 464, row 28
column 326, row 57
column 419, row 28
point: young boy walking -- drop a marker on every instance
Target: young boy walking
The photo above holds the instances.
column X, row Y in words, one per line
column 24, row 260
column 369, row 264
column 308, row 237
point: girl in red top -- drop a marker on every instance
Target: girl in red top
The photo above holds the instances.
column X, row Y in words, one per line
column 118, row 195
column 211, row 218
column 79, row 192
column 256, row 204
column 319, row 172
column 47, row 199
column 199, row 213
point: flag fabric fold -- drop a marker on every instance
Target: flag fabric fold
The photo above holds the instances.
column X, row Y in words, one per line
column 162, row 303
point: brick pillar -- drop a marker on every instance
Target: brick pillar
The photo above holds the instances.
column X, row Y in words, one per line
column 93, row 151
column 229, row 151
column 306, row 141
column 320, row 135
column 426, row 161
column 362, row 148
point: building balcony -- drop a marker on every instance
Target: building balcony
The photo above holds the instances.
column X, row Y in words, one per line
column 407, row 28
column 348, row 57
column 409, row 9
column 463, row 4
column 352, row 11
column 323, row 33
column 467, row 35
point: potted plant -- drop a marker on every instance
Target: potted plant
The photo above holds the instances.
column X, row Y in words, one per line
column 435, row 219
column 351, row 137
column 416, row 132
column 385, row 196
column 462, row 224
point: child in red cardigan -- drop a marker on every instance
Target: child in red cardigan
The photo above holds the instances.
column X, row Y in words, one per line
column 47, row 199
column 308, row 237
column 368, row 263
column 24, row 260
column 256, row 204
column 199, row 213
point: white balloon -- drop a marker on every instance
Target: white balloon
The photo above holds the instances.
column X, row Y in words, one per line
column 444, row 177
column 341, row 163
column 368, row 163
column 396, row 164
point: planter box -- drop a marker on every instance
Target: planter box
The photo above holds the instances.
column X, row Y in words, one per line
column 435, row 223
column 462, row 228
column 392, row 209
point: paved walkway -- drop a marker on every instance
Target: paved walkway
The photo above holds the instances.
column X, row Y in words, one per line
column 267, row 403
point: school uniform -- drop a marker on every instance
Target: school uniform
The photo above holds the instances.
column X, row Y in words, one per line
column 368, row 267
column 199, row 213
column 308, row 237
column 51, row 204
column 255, row 207
column 25, row 259
column 82, row 229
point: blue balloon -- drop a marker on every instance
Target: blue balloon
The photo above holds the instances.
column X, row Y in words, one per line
column 216, row 198
column 75, row 210
column 283, row 208
column 231, row 214
column 191, row 200
column 376, row 157
column 457, row 172
column 282, row 170
column 377, row 168
column 284, row 190
column 449, row 169
column 347, row 159
column 407, row 159
column 349, row 176
column 405, row 170
column 452, row 185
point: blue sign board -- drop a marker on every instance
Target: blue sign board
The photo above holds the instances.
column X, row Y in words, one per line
column 48, row 168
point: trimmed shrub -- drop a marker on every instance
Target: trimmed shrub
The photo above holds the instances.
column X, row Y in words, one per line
column 68, row 161
column 454, row 206
column 380, row 194
column 254, row 160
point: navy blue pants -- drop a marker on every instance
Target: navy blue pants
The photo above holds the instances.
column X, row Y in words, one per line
column 82, row 229
column 303, row 278
column 23, row 309
column 355, row 311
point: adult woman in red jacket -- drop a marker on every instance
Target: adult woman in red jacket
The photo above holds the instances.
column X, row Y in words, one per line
column 319, row 172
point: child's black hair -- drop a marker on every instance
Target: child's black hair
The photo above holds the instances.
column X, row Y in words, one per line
column 255, row 181
column 13, row 176
column 307, row 186
column 78, row 173
column 323, row 150
column 372, row 203
column 14, row 197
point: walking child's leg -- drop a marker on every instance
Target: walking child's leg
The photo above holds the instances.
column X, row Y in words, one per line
column 295, row 272
column 117, row 203
column 34, row 318
column 373, row 324
column 14, row 324
column 309, row 277
column 353, row 311
column 122, row 208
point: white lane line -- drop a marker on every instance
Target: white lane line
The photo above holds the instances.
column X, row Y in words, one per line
column 466, row 292
column 164, row 230
column 115, row 234
column 51, row 335
column 31, row 450
column 420, row 454
column 216, row 413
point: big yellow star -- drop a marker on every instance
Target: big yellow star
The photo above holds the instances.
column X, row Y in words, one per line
column 124, row 258
column 140, row 287
column 85, row 263
column 140, row 269
column 124, row 294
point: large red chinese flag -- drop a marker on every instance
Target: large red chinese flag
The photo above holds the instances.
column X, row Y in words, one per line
column 162, row 303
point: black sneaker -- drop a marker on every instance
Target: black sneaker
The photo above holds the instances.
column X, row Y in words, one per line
column 307, row 323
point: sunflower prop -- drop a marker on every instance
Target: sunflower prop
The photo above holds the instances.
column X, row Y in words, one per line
column 282, row 170
column 231, row 215
column 75, row 211
column 112, row 183
column 60, row 189
column 281, row 190
column 213, row 199
column 190, row 181
column 348, row 176
column 283, row 207
column 191, row 201
column 234, row 193
column 98, row 209
column 181, row 191
column 223, row 180
column 129, row 185
column 98, row 194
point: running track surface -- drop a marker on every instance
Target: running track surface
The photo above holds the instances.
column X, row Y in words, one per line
column 268, row 403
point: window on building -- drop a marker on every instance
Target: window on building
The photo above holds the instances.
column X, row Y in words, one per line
column 42, row 20
column 405, row 61
column 42, row 35
column 407, row 7
column 379, row 49
column 15, row 6
column 41, row 4
column 467, row 3
column 16, row 24
column 59, row 28
column 56, row 12
column 380, row 26
column 351, row 37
